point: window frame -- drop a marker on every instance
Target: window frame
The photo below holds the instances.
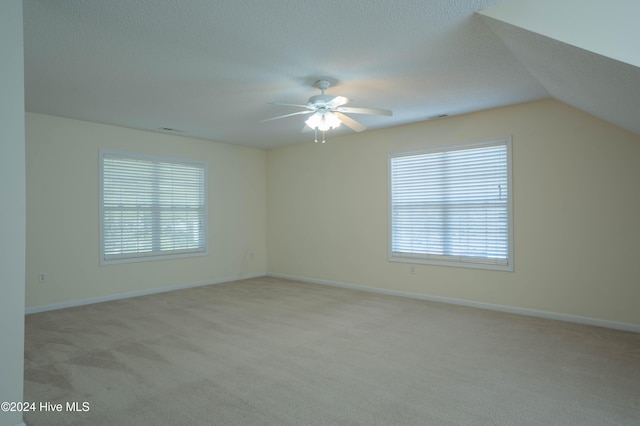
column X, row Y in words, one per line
column 453, row 260
column 136, row 257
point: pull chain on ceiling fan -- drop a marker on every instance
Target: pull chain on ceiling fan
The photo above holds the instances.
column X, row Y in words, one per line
column 328, row 112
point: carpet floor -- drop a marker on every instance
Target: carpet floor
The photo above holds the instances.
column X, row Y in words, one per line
column 269, row 351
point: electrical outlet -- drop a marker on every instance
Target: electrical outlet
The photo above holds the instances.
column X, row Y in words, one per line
column 42, row 277
column 412, row 269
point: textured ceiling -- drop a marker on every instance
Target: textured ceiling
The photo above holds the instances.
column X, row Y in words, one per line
column 210, row 68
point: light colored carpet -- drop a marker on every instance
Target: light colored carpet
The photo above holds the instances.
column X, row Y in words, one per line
column 269, row 351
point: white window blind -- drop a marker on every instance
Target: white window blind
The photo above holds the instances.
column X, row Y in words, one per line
column 151, row 207
column 452, row 206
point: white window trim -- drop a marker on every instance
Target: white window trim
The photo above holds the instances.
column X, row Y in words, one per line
column 460, row 261
column 130, row 154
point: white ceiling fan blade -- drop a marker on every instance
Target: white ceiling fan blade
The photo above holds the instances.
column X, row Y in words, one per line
column 286, row 115
column 337, row 101
column 372, row 111
column 306, row 129
column 350, row 122
column 293, row 105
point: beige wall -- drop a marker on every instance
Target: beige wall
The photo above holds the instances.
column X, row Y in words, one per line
column 320, row 212
column 576, row 212
column 63, row 212
column 12, row 211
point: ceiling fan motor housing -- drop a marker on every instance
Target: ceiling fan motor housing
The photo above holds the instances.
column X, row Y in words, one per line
column 319, row 101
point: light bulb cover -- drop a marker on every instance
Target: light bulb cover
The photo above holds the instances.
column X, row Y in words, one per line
column 323, row 121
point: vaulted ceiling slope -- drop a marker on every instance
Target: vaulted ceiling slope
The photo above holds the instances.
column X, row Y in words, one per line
column 208, row 69
column 584, row 54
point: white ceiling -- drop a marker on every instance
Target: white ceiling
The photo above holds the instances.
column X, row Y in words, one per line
column 210, row 68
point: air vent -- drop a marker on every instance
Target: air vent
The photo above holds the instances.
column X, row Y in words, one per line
column 433, row 117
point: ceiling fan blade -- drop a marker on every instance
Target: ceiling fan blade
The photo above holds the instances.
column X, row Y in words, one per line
column 293, row 105
column 372, row 111
column 337, row 101
column 306, row 129
column 350, row 122
column 286, row 115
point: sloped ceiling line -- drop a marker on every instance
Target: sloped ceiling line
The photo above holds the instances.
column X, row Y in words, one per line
column 575, row 67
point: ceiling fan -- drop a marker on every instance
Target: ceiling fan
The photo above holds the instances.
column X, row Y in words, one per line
column 327, row 112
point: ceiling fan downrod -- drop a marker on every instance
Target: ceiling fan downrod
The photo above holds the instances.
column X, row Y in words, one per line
column 322, row 85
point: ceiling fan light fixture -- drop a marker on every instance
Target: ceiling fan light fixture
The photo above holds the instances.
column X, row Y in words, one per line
column 323, row 121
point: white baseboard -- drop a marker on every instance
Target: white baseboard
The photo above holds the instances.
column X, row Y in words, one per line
column 118, row 296
column 449, row 300
column 500, row 308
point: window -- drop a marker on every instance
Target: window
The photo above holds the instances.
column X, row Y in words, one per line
column 151, row 207
column 452, row 206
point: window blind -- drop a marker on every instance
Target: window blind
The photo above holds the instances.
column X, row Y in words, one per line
column 151, row 206
column 452, row 205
